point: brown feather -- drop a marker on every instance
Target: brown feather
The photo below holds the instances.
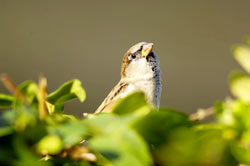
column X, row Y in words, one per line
column 125, row 62
column 113, row 97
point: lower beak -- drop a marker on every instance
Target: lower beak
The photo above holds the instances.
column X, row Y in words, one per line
column 147, row 49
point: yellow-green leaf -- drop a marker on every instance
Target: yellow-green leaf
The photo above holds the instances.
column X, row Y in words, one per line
column 68, row 91
column 50, row 144
column 130, row 104
column 242, row 55
column 29, row 89
column 240, row 86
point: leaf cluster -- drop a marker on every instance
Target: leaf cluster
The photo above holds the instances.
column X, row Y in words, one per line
column 35, row 131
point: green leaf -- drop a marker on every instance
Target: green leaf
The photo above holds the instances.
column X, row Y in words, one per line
column 241, row 112
column 130, row 104
column 25, row 155
column 117, row 142
column 25, row 117
column 156, row 125
column 6, row 100
column 234, row 114
column 55, row 108
column 186, row 146
column 6, row 130
column 68, row 91
column 241, row 152
column 50, row 144
column 240, row 86
column 242, row 55
column 71, row 133
column 29, row 89
column 224, row 113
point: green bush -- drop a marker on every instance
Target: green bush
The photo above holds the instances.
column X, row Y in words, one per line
column 35, row 131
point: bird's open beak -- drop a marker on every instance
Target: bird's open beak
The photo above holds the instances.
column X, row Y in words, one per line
column 147, row 49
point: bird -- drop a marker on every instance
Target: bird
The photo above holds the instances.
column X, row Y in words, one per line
column 140, row 71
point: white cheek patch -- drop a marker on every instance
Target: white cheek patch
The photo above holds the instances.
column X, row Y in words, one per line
column 129, row 57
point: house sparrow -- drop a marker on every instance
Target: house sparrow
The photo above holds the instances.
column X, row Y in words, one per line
column 140, row 71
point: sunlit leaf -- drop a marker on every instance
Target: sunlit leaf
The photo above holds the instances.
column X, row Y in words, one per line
column 241, row 152
column 155, row 126
column 50, row 144
column 234, row 114
column 224, row 113
column 242, row 55
column 68, row 91
column 29, row 89
column 130, row 103
column 240, row 86
column 117, row 142
column 54, row 108
column 241, row 112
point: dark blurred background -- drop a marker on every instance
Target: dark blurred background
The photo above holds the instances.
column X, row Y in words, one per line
column 64, row 39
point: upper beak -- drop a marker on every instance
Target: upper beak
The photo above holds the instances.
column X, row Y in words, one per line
column 147, row 49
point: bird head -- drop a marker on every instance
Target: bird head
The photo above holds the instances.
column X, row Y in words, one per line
column 139, row 61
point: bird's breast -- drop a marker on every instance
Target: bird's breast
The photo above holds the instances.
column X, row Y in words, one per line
column 149, row 89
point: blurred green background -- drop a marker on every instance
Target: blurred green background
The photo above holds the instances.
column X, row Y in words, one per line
column 64, row 39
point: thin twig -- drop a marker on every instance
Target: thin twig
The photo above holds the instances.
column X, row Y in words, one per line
column 42, row 97
column 10, row 85
column 202, row 114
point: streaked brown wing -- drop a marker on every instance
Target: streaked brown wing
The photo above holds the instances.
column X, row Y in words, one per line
column 112, row 98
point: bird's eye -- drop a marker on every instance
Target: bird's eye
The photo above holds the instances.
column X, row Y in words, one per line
column 133, row 56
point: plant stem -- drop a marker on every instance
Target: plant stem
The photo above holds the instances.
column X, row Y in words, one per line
column 10, row 85
column 42, row 97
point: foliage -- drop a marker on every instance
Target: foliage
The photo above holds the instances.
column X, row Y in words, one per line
column 35, row 131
